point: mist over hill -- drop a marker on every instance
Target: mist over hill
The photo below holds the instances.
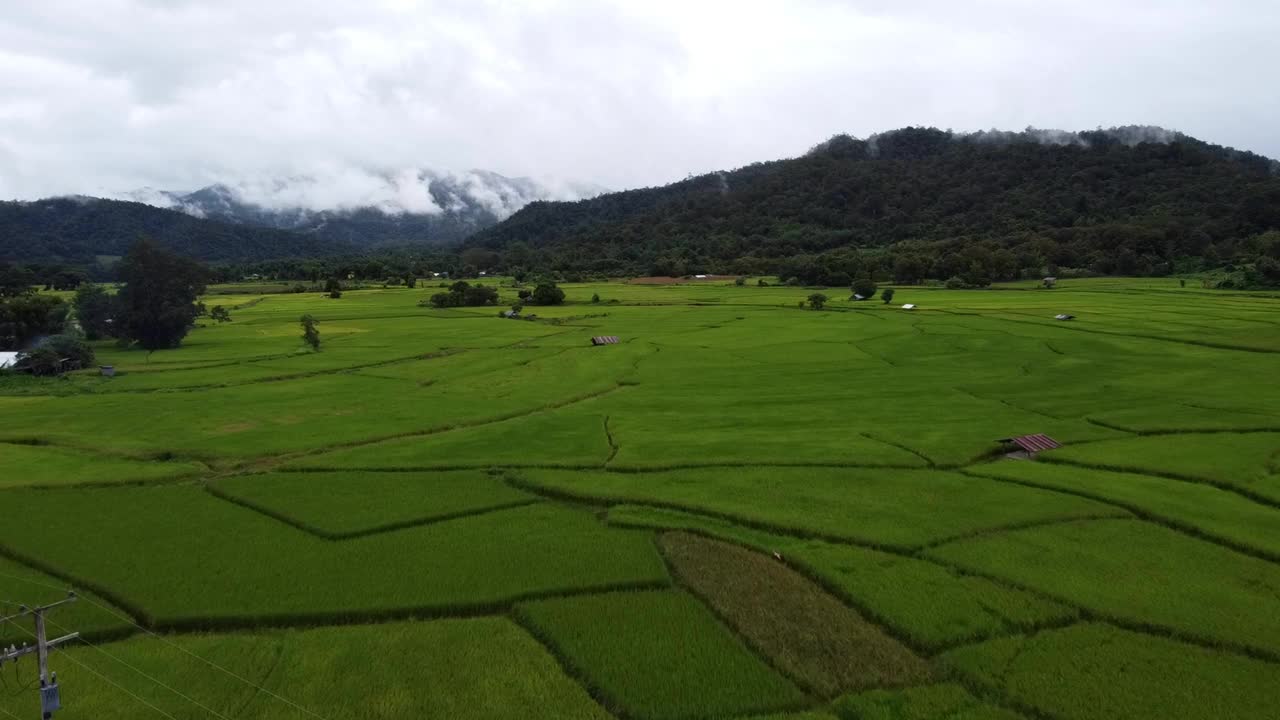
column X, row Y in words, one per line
column 923, row 202
column 368, row 209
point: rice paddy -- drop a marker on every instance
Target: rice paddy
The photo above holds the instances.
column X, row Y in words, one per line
column 743, row 509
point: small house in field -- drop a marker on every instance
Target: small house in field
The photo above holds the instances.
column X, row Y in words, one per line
column 1064, row 316
column 909, row 306
column 856, row 296
column 1050, row 282
column 1025, row 447
column 605, row 340
column 8, row 359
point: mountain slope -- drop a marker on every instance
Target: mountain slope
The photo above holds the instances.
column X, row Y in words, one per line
column 77, row 229
column 370, row 209
column 1131, row 200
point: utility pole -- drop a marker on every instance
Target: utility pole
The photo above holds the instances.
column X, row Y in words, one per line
column 50, row 699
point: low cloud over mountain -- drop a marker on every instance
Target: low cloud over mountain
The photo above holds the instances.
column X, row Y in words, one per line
column 369, row 208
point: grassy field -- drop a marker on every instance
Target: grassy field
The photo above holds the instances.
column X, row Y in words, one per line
column 743, row 508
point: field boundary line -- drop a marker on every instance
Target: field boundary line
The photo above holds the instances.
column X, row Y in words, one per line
column 908, row 550
column 1147, row 515
column 280, row 378
column 324, row 534
column 381, row 616
column 1028, row 525
column 1245, row 493
column 1182, row 341
column 436, row 430
column 1184, row 431
column 1147, row 628
column 613, row 443
column 132, row 613
column 928, row 461
column 569, row 668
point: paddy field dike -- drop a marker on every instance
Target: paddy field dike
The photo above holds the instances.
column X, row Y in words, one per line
column 742, row 509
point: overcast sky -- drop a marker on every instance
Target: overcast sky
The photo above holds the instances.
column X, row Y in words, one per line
column 105, row 96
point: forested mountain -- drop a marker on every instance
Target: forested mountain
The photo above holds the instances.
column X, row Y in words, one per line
column 923, row 203
column 75, row 230
column 367, row 210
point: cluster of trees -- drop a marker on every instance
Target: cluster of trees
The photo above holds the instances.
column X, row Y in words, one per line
column 463, row 293
column 921, row 204
column 154, row 308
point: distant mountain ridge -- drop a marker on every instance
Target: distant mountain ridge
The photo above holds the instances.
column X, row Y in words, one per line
column 78, row 230
column 412, row 206
column 979, row 206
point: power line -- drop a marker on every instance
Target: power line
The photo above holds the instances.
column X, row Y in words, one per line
column 125, row 618
column 113, row 683
column 179, row 693
column 120, row 687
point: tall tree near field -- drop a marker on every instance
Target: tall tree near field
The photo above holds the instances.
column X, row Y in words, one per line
column 94, row 309
column 158, row 300
column 887, row 295
column 310, row 335
column 817, row 301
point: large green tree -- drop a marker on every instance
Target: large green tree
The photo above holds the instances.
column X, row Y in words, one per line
column 158, row 300
column 95, row 309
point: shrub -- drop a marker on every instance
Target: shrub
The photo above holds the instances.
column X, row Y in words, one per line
column 335, row 294
column 741, row 281
column 761, row 283
column 595, row 297
column 817, row 301
column 954, row 283
column 445, row 300
column 220, row 314
column 547, row 294
column 523, row 294
column 866, row 287
column 887, row 295
column 310, row 335
column 480, row 295
column 56, row 354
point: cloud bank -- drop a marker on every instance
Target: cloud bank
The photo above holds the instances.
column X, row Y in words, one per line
column 340, row 104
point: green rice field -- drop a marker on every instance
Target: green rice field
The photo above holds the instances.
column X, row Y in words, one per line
column 744, row 509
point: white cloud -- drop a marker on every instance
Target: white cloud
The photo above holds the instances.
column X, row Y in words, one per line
column 105, row 96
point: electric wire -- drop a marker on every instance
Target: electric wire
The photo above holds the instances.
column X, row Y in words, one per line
column 175, row 691
column 125, row 618
column 113, row 683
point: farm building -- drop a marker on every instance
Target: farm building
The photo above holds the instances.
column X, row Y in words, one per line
column 1026, row 446
column 1049, row 282
column 909, row 306
column 1064, row 316
column 8, row 359
column 605, row 340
